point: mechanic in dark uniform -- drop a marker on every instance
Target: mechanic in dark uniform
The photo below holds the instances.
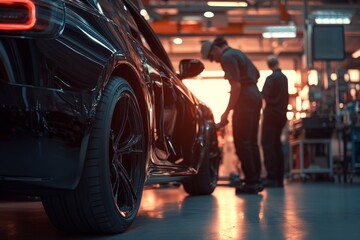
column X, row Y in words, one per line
column 245, row 101
column 276, row 99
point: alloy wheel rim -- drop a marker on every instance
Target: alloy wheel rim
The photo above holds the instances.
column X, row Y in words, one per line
column 126, row 154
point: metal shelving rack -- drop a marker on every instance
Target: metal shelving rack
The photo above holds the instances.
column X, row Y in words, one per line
column 322, row 164
column 311, row 152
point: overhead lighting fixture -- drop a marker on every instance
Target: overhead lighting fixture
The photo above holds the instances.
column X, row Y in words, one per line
column 322, row 20
column 177, row 41
column 332, row 17
column 191, row 18
column 279, row 32
column 226, row 4
column 208, row 14
column 167, row 11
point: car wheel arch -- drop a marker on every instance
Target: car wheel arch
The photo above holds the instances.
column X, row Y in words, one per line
column 128, row 73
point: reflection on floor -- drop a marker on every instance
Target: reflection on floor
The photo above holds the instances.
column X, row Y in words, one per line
column 299, row 211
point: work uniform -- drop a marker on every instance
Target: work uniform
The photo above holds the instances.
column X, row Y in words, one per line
column 275, row 94
column 246, row 113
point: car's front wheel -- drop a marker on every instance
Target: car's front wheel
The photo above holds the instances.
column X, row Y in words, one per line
column 205, row 182
column 108, row 196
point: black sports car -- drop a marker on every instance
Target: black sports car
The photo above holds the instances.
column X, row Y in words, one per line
column 91, row 110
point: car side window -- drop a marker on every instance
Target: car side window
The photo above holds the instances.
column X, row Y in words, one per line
column 135, row 31
column 149, row 37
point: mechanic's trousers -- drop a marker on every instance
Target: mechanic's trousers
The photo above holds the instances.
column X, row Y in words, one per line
column 272, row 126
column 245, row 131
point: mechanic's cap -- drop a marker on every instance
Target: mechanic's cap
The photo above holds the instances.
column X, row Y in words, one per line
column 205, row 49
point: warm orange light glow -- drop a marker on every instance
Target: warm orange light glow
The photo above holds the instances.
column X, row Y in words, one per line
column 304, row 93
column 290, row 115
column 356, row 54
column 29, row 5
column 231, row 214
column 214, row 90
column 298, row 103
column 150, row 204
column 292, row 75
column 227, row 4
column 313, row 77
column 333, row 76
column 293, row 224
column 214, row 93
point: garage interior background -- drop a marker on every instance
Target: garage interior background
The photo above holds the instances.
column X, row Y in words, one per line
column 322, row 86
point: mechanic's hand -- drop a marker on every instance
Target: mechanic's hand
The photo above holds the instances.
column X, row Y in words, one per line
column 221, row 124
column 223, row 121
column 224, row 118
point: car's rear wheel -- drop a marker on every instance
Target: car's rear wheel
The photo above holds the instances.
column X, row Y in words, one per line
column 205, row 182
column 108, row 196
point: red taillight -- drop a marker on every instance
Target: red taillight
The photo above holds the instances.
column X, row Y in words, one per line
column 17, row 14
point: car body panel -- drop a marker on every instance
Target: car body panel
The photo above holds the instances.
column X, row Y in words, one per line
column 50, row 86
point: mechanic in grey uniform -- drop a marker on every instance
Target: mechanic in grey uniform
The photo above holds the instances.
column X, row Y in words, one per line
column 276, row 98
column 245, row 101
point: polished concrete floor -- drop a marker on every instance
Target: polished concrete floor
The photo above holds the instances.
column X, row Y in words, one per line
column 319, row 211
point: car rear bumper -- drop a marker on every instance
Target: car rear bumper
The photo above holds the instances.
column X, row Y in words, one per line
column 43, row 136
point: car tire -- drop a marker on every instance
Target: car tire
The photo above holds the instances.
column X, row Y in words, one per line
column 108, row 196
column 204, row 183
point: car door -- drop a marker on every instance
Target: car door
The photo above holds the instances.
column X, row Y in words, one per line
column 153, row 73
column 163, row 97
column 175, row 107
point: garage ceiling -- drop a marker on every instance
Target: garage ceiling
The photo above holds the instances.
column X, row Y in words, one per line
column 243, row 26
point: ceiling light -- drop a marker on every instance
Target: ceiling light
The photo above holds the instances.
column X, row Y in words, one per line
column 177, row 41
column 191, row 18
column 321, row 20
column 279, row 32
column 332, row 17
column 226, row 4
column 167, row 11
column 208, row 14
column 279, row 35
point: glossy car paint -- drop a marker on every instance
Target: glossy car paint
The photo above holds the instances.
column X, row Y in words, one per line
column 51, row 81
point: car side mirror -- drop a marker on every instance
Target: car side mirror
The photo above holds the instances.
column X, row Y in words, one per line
column 189, row 68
